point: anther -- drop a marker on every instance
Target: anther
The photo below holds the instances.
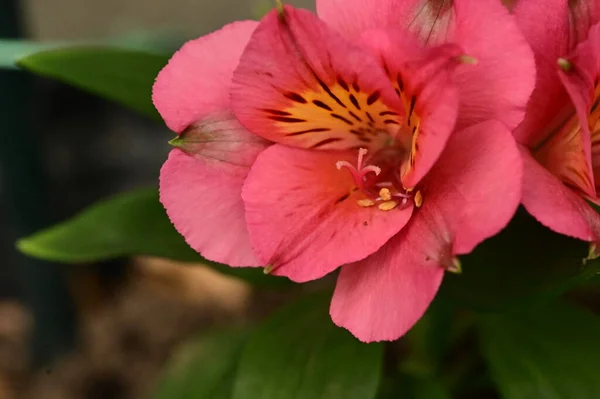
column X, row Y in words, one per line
column 365, row 203
column 418, row 199
column 388, row 205
column 385, row 194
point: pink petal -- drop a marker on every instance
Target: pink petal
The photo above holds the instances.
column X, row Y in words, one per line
column 498, row 87
column 303, row 216
column 423, row 79
column 549, row 106
column 201, row 189
column 383, row 296
column 475, row 187
column 353, row 17
column 581, row 82
column 467, row 197
column 500, row 84
column 555, row 205
column 301, row 84
column 197, row 79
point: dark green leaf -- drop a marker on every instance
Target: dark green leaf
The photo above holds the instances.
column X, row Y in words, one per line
column 203, row 369
column 411, row 387
column 299, row 354
column 550, row 353
column 526, row 264
column 124, row 76
column 134, row 223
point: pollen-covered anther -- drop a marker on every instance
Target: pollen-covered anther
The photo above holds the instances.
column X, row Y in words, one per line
column 387, row 205
column 365, row 203
column 385, row 194
column 418, row 199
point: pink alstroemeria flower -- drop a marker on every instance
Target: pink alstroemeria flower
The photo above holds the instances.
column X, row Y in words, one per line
column 560, row 135
column 341, row 153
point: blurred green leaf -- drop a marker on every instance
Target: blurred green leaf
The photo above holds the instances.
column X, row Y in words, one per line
column 121, row 75
column 299, row 353
column 551, row 353
column 12, row 50
column 525, row 265
column 411, row 387
column 133, row 223
column 160, row 42
column 203, row 369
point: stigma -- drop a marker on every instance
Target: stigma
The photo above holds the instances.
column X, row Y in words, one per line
column 380, row 186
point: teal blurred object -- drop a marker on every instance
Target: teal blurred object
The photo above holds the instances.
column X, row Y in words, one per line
column 42, row 285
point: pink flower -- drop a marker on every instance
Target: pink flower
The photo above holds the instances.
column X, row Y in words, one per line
column 346, row 157
column 562, row 155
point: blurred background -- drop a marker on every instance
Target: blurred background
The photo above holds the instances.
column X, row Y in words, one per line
column 94, row 331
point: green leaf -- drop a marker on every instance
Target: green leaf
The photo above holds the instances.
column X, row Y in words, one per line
column 299, row 353
column 525, row 265
column 121, row 75
column 203, row 369
column 412, row 387
column 12, row 50
column 133, row 223
column 551, row 353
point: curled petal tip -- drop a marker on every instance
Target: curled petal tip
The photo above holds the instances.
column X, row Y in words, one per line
column 176, row 142
column 467, row 59
column 455, row 266
column 279, row 8
column 592, row 253
column 564, row 64
column 268, row 269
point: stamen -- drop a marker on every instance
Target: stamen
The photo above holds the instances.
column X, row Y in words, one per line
column 418, row 199
column 388, row 205
column 385, row 194
column 365, row 203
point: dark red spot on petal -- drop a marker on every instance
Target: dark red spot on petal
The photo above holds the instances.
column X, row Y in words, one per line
column 330, row 93
column 354, row 101
column 343, row 84
column 355, row 116
column 277, row 112
column 315, row 130
column 342, row 119
column 400, row 83
column 326, row 141
column 295, row 97
column 286, row 119
column 321, row 104
column 372, row 98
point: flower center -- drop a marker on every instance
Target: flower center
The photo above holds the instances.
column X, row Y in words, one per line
column 381, row 185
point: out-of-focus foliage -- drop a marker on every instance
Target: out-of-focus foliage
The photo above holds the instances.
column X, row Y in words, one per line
column 299, row 353
column 203, row 369
column 134, row 223
column 551, row 352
